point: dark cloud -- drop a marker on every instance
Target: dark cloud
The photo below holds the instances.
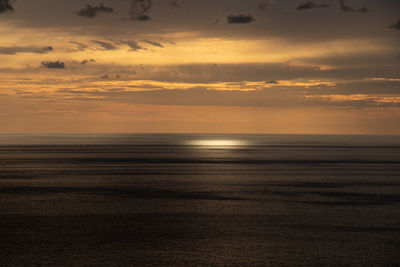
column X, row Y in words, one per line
column 109, row 77
column 154, row 43
column 91, row 11
column 310, row 5
column 271, row 82
column 345, row 7
column 240, row 19
column 263, row 6
column 25, row 49
column 6, row 5
column 139, row 9
column 363, row 9
column 87, row 61
column 53, row 64
column 133, row 45
column 177, row 3
column 105, row 45
column 395, row 26
column 143, row 18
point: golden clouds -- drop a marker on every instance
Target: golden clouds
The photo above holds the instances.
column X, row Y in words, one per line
column 43, row 85
column 187, row 48
column 374, row 98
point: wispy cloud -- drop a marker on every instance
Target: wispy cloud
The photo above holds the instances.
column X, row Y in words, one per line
column 105, row 45
column 239, row 19
column 310, row 5
column 24, row 49
column 80, row 46
column 133, row 45
column 360, row 99
column 153, row 43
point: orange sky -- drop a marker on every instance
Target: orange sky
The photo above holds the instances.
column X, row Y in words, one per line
column 189, row 69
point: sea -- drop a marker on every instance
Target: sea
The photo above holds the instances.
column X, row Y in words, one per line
column 199, row 200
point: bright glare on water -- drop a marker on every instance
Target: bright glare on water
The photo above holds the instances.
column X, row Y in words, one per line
column 218, row 143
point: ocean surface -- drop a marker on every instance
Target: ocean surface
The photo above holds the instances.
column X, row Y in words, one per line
column 199, row 200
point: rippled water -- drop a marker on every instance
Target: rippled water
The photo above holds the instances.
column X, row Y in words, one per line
column 137, row 200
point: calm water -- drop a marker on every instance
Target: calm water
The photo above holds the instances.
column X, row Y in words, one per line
column 184, row 200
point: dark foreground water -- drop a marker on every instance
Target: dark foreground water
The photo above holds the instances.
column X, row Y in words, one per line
column 185, row 200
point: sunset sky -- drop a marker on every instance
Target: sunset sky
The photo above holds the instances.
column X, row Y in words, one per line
column 217, row 66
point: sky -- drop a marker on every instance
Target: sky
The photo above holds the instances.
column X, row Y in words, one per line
column 210, row 66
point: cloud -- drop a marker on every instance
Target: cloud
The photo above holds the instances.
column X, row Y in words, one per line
column 363, row 9
column 25, row 49
column 395, row 25
column 154, row 43
column 263, row 6
column 139, row 9
column 133, row 45
column 5, row 5
column 105, row 45
column 271, row 82
column 310, row 5
column 53, row 64
column 206, row 95
column 359, row 99
column 240, row 19
column 87, row 61
column 143, row 18
column 177, row 3
column 345, row 7
column 91, row 11
column 80, row 46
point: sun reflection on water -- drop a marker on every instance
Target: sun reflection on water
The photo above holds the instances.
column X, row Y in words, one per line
column 218, row 143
